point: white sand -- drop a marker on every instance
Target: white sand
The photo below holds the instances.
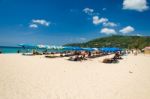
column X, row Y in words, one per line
column 36, row 77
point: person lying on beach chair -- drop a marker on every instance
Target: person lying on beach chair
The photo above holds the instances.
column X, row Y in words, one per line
column 117, row 56
column 110, row 60
column 77, row 58
column 37, row 53
column 74, row 58
column 50, row 56
column 53, row 55
column 83, row 57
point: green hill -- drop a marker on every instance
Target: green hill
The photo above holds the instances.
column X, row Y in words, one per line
column 117, row 41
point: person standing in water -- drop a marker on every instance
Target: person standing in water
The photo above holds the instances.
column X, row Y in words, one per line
column 0, row 51
column 18, row 51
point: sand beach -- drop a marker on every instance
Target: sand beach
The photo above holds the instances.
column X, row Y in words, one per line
column 37, row 77
column 75, row 49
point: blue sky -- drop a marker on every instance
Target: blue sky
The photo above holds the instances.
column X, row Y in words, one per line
column 66, row 21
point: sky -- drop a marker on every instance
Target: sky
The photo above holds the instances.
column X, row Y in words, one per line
column 57, row 22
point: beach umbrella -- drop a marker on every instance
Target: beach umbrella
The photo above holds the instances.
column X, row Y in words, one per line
column 72, row 48
column 110, row 49
column 88, row 49
column 117, row 49
column 68, row 48
column 28, row 45
column 47, row 46
column 103, row 49
column 41, row 46
column 77, row 48
column 58, row 47
column 95, row 49
column 114, row 49
column 54, row 47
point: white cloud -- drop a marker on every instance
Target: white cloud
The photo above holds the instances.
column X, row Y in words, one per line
column 108, row 31
column 127, row 29
column 88, row 11
column 139, row 35
column 41, row 22
column 33, row 26
column 97, row 20
column 82, row 38
column 37, row 22
column 138, row 5
column 104, row 9
column 109, row 24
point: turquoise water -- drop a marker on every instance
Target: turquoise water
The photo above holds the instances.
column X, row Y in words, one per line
column 10, row 49
column 21, row 50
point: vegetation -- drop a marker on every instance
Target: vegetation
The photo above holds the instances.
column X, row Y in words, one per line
column 130, row 42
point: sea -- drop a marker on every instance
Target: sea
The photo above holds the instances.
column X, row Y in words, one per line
column 10, row 49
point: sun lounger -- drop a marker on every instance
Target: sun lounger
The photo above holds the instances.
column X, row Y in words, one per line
column 53, row 55
column 37, row 53
column 28, row 54
column 110, row 60
column 77, row 58
column 50, row 56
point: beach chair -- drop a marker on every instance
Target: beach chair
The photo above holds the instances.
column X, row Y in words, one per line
column 77, row 58
column 37, row 53
column 50, row 56
column 28, row 54
column 110, row 60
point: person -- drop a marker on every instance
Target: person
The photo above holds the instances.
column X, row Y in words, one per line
column 89, row 54
column 18, row 51
column 117, row 56
column 107, row 60
column 75, row 58
column 83, row 55
column 135, row 52
column 132, row 51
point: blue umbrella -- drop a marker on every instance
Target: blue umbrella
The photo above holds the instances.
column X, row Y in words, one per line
column 28, row 46
column 88, row 49
column 109, row 49
column 104, row 49
column 78, row 48
column 68, row 48
column 116, row 49
column 72, row 48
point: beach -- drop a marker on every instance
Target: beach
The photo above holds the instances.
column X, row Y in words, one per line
column 37, row 77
